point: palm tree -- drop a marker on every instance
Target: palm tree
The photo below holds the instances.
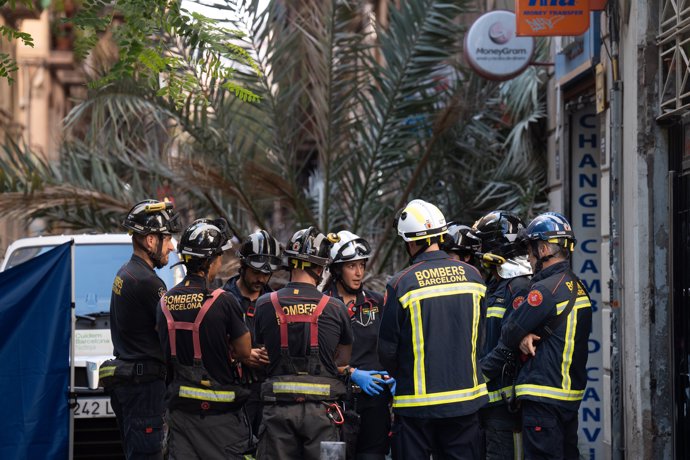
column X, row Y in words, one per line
column 354, row 119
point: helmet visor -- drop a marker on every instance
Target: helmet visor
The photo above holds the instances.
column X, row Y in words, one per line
column 359, row 249
column 264, row 264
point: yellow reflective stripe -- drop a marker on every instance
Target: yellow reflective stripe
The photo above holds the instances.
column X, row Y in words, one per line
column 445, row 397
column 517, row 445
column 442, row 290
column 322, row 389
column 549, row 392
column 418, row 347
column 580, row 302
column 107, row 371
column 568, row 348
column 476, row 314
column 206, row 395
column 569, row 343
column 495, row 396
column 495, row 312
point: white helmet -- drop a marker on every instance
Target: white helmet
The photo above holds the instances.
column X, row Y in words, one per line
column 420, row 220
column 350, row 247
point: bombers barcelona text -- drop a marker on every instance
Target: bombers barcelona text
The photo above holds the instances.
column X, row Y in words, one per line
column 441, row 275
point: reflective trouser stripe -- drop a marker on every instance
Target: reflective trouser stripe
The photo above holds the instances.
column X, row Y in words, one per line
column 206, row 395
column 107, row 371
column 517, row 446
column 321, row 389
column 495, row 312
column 445, row 397
column 549, row 392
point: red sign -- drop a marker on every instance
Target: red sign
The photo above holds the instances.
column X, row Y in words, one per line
column 552, row 17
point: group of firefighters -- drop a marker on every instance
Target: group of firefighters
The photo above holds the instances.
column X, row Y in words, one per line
column 477, row 349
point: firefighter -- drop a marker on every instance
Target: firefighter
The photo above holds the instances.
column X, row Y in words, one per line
column 137, row 399
column 507, row 286
column 552, row 327
column 205, row 415
column 461, row 243
column 348, row 267
column 260, row 256
column 308, row 337
column 429, row 341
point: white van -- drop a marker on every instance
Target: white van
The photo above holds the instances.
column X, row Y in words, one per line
column 98, row 257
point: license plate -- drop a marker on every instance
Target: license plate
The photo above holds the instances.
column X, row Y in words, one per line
column 93, row 407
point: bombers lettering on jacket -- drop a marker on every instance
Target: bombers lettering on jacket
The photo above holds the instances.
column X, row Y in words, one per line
column 557, row 374
column 431, row 335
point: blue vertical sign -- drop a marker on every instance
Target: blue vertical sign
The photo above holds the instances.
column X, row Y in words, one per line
column 586, row 222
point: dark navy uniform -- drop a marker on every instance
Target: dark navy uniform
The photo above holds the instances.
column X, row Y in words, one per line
column 429, row 340
column 302, row 375
column 197, row 428
column 375, row 420
column 251, row 377
column 501, row 426
column 552, row 383
column 138, row 405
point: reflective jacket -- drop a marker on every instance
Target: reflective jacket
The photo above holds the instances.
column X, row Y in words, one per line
column 502, row 298
column 430, row 337
column 557, row 374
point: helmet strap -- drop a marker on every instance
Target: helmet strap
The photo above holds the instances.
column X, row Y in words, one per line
column 540, row 260
column 309, row 271
column 422, row 247
column 154, row 256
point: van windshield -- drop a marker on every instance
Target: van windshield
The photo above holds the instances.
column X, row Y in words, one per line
column 95, row 269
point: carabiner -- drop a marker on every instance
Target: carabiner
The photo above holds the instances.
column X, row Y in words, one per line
column 334, row 412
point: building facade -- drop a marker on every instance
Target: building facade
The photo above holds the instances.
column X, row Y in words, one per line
column 619, row 167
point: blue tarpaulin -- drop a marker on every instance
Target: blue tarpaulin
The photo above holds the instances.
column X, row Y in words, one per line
column 35, row 327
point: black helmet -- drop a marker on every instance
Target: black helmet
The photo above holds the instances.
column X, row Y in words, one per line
column 151, row 216
column 497, row 231
column 262, row 252
column 309, row 245
column 204, row 238
column 461, row 239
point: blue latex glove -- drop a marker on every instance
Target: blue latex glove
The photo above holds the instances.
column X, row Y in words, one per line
column 367, row 381
column 391, row 381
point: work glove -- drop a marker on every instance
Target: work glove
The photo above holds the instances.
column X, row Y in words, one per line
column 391, row 381
column 368, row 381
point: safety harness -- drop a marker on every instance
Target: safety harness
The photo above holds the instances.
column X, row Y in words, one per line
column 301, row 382
column 193, row 389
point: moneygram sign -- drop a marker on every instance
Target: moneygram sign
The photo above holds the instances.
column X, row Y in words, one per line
column 553, row 17
column 492, row 48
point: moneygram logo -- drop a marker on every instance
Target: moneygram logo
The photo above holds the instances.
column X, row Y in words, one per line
column 499, row 33
column 502, row 51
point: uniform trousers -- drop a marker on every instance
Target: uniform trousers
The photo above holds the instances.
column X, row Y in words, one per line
column 549, row 431
column 294, row 430
column 374, row 426
column 457, row 438
column 502, row 432
column 213, row 437
column 139, row 408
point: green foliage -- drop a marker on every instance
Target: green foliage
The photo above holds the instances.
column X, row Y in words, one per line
column 7, row 67
column 7, row 64
column 170, row 49
column 349, row 120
